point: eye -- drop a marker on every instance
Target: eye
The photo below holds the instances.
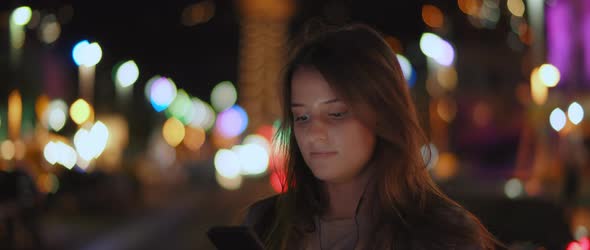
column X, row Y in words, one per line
column 338, row 115
column 301, row 118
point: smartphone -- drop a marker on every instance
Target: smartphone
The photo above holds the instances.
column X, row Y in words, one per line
column 234, row 237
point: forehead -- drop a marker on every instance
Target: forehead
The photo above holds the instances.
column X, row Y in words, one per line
column 308, row 85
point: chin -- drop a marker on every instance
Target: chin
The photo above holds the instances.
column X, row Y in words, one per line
column 327, row 176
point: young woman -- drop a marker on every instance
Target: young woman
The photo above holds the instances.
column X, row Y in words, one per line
column 355, row 175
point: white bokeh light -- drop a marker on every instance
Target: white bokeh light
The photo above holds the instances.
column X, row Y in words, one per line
column 21, row 15
column 557, row 119
column 227, row 163
column 513, row 188
column 127, row 74
column 575, row 113
column 253, row 158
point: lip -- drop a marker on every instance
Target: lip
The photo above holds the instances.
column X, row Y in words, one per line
column 321, row 154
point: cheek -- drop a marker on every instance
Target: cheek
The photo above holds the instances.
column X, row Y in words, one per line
column 358, row 140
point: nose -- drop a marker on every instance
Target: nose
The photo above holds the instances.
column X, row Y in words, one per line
column 317, row 131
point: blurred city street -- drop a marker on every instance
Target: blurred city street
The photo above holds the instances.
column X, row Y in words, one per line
column 140, row 125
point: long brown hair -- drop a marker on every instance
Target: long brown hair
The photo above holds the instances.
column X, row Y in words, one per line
column 412, row 212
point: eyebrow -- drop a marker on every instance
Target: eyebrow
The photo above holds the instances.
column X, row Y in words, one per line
column 326, row 102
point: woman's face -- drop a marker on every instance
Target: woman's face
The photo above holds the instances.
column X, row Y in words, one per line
column 334, row 143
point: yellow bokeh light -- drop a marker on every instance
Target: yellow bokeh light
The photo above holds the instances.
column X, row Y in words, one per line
column 173, row 131
column 432, row 16
column 15, row 113
column 194, row 137
column 7, row 150
column 80, row 111
column 41, row 107
column 447, row 77
column 446, row 167
column 539, row 91
column 446, row 109
column 516, row 7
column 549, row 75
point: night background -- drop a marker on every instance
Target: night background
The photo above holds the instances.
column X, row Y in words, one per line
column 141, row 124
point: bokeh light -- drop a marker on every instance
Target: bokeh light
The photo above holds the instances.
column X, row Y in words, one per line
column 446, row 167
column 447, row 77
column 516, row 7
column 407, row 69
column 60, row 153
column 204, row 115
column 575, row 113
column 432, row 16
column 446, row 109
column 41, row 106
column 198, row 13
column 258, row 140
column 574, row 246
column 21, row 15
column 513, row 188
column 557, row 119
column 584, row 243
column 223, row 96
column 539, row 91
column 57, row 119
column 232, row 183
column 15, row 113
column 162, row 92
column 253, row 158
column 100, row 135
column 430, row 155
column 437, row 48
column 7, row 150
column 181, row 108
column 470, row 7
column 549, row 75
column 91, row 143
column 173, row 131
column 50, row 153
column 194, row 137
column 127, row 74
column 56, row 114
column 227, row 163
column 80, row 111
column 232, row 122
column 50, row 29
column 86, row 54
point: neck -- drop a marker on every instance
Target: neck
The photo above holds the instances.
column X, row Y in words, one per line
column 344, row 197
